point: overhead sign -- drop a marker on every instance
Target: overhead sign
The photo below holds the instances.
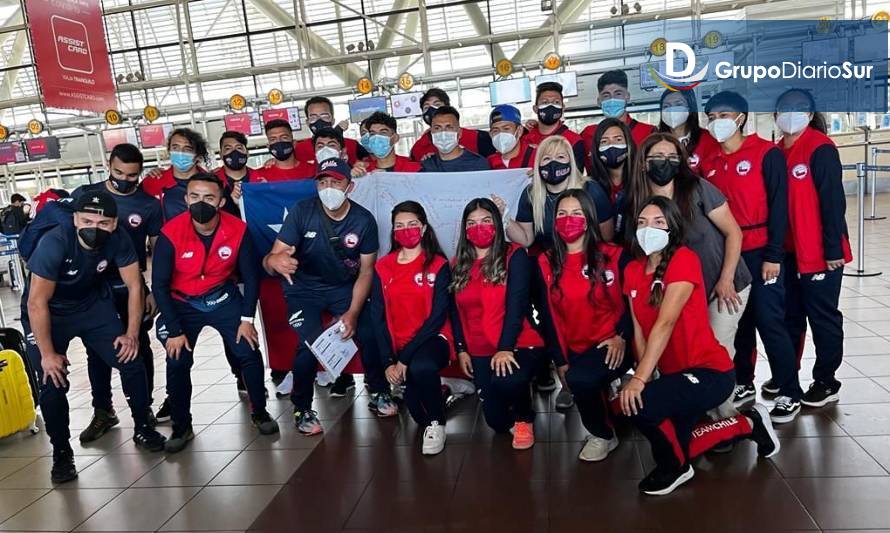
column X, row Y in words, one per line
column 880, row 17
column 275, row 96
column 504, row 68
column 70, row 54
column 112, row 117
column 658, row 47
column 237, row 102
column 406, row 81
column 151, row 113
column 4, row 132
column 712, row 39
column 43, row 148
column 364, row 85
column 116, row 136
column 246, row 123
column 290, row 114
column 35, row 126
column 154, row 135
column 552, row 61
column 11, row 153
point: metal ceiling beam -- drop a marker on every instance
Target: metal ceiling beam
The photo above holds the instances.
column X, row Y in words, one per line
column 411, row 24
column 387, row 37
column 348, row 72
column 566, row 13
column 349, row 59
column 480, row 24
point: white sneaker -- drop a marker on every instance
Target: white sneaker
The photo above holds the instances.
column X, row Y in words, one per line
column 324, row 378
column 597, row 449
column 433, row 439
column 286, row 386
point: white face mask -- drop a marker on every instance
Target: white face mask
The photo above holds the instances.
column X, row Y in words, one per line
column 504, row 142
column 326, row 152
column 445, row 141
column 652, row 240
column 332, row 198
column 723, row 128
column 674, row 116
column 792, row 122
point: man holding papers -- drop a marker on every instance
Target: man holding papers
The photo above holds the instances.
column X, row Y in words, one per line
column 325, row 254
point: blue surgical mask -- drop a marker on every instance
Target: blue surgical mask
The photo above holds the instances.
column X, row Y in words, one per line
column 182, row 161
column 364, row 139
column 379, row 145
column 613, row 107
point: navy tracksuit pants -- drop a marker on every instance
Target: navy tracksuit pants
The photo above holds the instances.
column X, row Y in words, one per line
column 100, row 373
column 588, row 378
column 423, row 386
column 506, row 399
column 815, row 297
column 765, row 314
column 97, row 326
column 304, row 311
column 225, row 319
column 672, row 407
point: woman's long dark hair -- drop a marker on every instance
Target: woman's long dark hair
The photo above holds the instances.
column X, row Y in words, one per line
column 676, row 236
column 685, row 182
column 693, row 128
column 818, row 121
column 594, row 257
column 494, row 266
column 600, row 172
column 428, row 242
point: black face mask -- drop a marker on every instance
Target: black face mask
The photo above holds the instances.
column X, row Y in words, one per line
column 549, row 114
column 555, row 172
column 613, row 157
column 662, row 171
column 320, row 125
column 94, row 238
column 236, row 160
column 123, row 186
column 281, row 150
column 202, row 212
column 428, row 115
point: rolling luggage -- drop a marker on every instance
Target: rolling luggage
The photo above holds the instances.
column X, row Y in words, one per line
column 12, row 339
column 17, row 411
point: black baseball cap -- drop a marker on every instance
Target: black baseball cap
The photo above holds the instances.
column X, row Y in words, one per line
column 96, row 203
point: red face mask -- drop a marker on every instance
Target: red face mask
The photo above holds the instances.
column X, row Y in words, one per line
column 570, row 227
column 408, row 237
column 481, row 235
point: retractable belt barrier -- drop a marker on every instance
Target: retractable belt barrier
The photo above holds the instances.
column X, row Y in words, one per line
column 862, row 171
column 874, row 181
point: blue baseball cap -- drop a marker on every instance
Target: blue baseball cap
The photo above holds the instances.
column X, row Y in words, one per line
column 505, row 112
column 335, row 168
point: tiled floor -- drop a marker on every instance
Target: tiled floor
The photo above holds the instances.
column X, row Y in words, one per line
column 367, row 475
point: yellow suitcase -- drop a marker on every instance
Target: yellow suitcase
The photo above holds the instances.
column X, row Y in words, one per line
column 17, row 411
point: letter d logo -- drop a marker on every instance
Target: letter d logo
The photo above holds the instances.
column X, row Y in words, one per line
column 685, row 49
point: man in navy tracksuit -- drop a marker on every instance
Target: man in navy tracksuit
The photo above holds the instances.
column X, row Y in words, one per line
column 67, row 296
column 325, row 254
column 751, row 173
column 139, row 216
column 197, row 259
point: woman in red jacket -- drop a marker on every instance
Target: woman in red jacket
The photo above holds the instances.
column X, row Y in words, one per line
column 410, row 304
column 817, row 244
column 585, row 315
column 671, row 333
column 679, row 117
column 496, row 344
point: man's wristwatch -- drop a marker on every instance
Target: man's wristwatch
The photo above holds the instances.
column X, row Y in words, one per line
column 248, row 319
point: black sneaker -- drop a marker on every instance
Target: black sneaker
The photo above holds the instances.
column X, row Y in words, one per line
column 150, row 420
column 785, row 410
column 743, row 394
column 264, row 423
column 148, row 439
column 763, row 432
column 342, row 386
column 63, row 466
column 663, row 481
column 769, row 387
column 820, row 394
column 239, row 384
column 100, row 424
column 163, row 414
column 179, row 440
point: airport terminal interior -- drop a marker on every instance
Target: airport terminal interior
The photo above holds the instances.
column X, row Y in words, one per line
column 498, row 386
